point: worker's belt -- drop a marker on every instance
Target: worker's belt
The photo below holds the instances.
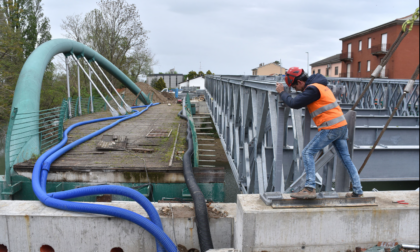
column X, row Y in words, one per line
column 323, row 109
column 332, row 122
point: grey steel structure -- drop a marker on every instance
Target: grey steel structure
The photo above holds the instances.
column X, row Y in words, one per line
column 171, row 80
column 263, row 139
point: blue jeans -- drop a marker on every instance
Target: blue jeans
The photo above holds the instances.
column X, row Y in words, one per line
column 322, row 139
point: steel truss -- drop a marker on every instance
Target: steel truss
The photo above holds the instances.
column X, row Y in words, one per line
column 252, row 123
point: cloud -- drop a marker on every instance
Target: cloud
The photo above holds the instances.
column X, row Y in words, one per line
column 233, row 36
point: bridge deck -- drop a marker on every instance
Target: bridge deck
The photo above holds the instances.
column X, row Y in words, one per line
column 85, row 158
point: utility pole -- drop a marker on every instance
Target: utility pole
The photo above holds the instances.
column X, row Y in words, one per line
column 307, row 66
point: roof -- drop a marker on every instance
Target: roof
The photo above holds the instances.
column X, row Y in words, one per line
column 398, row 21
column 330, row 60
column 191, row 79
column 267, row 65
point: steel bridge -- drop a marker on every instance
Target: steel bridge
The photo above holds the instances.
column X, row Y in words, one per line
column 263, row 139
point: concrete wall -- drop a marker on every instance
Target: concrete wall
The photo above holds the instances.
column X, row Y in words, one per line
column 323, row 70
column 27, row 225
column 270, row 69
column 197, row 82
column 261, row 228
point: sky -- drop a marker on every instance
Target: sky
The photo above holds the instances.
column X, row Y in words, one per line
column 235, row 36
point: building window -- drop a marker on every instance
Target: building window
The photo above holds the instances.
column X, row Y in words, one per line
column 319, row 71
column 360, row 45
column 359, row 66
column 369, row 43
column 336, row 70
column 313, row 72
column 368, row 65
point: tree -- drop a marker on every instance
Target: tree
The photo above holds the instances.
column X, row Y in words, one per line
column 192, row 75
column 153, row 83
column 115, row 31
column 200, row 74
column 160, row 84
column 27, row 18
column 23, row 27
column 208, row 72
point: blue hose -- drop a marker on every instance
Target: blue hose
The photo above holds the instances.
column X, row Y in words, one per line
column 42, row 165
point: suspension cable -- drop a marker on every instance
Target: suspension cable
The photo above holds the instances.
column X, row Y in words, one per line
column 121, row 109
column 111, row 109
column 379, row 68
column 128, row 108
column 408, row 88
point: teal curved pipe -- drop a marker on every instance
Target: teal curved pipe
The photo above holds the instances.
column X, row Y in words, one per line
column 28, row 88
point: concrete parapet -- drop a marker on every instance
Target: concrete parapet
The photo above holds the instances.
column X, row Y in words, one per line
column 261, row 228
column 28, row 225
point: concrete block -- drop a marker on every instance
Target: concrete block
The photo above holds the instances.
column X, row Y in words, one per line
column 27, row 225
column 261, row 228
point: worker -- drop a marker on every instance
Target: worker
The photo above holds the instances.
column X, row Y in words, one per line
column 328, row 117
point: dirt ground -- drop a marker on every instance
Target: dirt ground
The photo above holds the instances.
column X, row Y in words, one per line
column 157, row 95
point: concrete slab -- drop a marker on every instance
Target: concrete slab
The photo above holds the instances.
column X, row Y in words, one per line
column 261, row 228
column 27, row 225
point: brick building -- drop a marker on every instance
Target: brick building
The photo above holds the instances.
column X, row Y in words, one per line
column 362, row 52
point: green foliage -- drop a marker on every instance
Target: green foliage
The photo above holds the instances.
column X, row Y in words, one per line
column 277, row 62
column 208, row 72
column 23, row 27
column 192, row 75
column 200, row 74
column 160, row 84
column 153, row 83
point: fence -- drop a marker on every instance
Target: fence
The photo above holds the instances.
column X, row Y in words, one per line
column 383, row 94
column 45, row 126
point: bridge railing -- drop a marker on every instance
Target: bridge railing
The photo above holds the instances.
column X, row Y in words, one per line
column 47, row 125
column 252, row 122
column 383, row 94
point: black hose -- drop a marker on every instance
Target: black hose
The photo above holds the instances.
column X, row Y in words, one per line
column 200, row 207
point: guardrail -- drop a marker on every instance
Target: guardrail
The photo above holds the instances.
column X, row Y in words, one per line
column 46, row 125
column 383, row 94
column 251, row 121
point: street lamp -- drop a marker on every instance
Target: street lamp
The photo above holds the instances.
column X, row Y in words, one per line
column 307, row 67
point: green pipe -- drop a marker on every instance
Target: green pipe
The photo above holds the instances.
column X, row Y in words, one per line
column 28, row 88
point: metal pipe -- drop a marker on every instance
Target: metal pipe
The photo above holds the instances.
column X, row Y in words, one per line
column 126, row 106
column 92, row 110
column 78, row 90
column 68, row 86
column 410, row 246
column 111, row 109
column 120, row 109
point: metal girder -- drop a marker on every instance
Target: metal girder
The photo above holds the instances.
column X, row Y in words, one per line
column 259, row 133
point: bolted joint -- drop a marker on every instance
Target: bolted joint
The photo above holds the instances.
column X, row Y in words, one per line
column 409, row 87
column 377, row 71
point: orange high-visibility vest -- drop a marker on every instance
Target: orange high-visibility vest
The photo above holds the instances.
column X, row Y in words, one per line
column 326, row 112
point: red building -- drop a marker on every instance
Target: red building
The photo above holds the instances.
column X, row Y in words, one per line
column 362, row 52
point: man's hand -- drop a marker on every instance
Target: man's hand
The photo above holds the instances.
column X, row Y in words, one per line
column 279, row 87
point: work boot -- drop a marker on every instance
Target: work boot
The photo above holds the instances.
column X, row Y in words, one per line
column 353, row 195
column 305, row 193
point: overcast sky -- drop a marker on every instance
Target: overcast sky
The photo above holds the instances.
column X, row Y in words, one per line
column 234, row 36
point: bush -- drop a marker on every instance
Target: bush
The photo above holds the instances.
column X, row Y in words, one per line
column 160, row 84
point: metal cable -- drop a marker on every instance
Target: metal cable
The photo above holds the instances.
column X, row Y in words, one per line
column 415, row 74
column 384, row 61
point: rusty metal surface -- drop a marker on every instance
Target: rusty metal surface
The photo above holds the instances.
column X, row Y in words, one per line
column 327, row 202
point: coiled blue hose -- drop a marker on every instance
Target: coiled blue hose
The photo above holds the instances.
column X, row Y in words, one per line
column 39, row 179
